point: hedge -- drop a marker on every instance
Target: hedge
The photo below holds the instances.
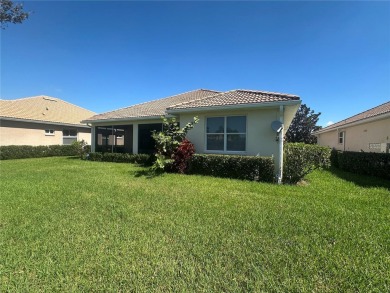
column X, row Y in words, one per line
column 27, row 151
column 372, row 164
column 229, row 166
column 142, row 159
column 300, row 159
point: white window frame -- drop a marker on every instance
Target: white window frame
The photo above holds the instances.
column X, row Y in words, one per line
column 49, row 132
column 69, row 136
column 225, row 135
column 341, row 137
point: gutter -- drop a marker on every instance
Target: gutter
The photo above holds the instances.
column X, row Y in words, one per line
column 44, row 122
column 123, row 119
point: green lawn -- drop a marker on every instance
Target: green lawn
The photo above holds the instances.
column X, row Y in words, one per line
column 70, row 225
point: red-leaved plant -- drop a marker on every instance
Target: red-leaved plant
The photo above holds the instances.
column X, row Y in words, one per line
column 182, row 156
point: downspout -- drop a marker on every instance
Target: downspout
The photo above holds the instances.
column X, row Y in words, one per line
column 281, row 137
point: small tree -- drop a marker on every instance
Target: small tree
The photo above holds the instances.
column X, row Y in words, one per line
column 11, row 13
column 303, row 126
column 168, row 140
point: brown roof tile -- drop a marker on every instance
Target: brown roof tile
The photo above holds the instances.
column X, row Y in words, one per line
column 154, row 108
column 379, row 110
column 194, row 99
column 45, row 109
column 236, row 97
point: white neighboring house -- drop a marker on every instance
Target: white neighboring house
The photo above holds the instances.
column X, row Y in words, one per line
column 42, row 120
column 368, row 131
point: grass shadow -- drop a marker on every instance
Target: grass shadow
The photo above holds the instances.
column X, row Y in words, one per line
column 73, row 158
column 361, row 180
column 146, row 173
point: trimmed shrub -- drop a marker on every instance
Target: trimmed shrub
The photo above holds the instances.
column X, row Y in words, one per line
column 142, row 159
column 334, row 158
column 373, row 164
column 237, row 167
column 182, row 156
column 27, row 151
column 300, row 159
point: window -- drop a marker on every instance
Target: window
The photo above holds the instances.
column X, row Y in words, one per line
column 49, row 131
column 69, row 136
column 341, row 137
column 226, row 134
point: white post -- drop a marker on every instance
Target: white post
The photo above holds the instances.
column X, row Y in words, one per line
column 281, row 135
column 280, row 169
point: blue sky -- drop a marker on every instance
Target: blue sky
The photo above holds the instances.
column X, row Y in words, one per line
column 104, row 55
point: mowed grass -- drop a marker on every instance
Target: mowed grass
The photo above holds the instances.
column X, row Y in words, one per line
column 77, row 226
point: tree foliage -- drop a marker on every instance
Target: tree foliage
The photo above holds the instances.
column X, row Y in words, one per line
column 303, row 126
column 168, row 140
column 11, row 13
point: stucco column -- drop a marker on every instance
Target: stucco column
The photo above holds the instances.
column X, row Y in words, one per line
column 135, row 138
column 93, row 138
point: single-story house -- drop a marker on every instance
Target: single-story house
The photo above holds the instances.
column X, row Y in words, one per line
column 232, row 122
column 42, row 120
column 368, row 131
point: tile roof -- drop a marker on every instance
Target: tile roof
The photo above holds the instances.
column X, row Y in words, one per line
column 155, row 108
column 45, row 109
column 376, row 111
column 194, row 99
column 235, row 97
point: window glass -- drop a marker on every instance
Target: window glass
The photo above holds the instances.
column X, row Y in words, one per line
column 69, row 132
column 49, row 131
column 235, row 142
column 216, row 125
column 215, row 142
column 341, row 137
column 236, row 124
column 226, row 133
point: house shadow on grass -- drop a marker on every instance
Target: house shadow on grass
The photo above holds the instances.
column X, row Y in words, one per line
column 73, row 158
column 145, row 173
column 361, row 180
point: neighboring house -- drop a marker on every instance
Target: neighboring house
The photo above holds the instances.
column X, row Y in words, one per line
column 233, row 122
column 42, row 120
column 368, row 131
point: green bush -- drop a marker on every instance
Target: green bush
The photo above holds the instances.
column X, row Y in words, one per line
column 238, row 167
column 27, row 151
column 373, row 164
column 334, row 158
column 300, row 159
column 142, row 159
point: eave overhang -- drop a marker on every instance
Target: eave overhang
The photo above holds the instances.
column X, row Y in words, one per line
column 43, row 122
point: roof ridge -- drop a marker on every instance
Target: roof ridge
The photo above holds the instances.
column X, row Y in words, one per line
column 195, row 100
column 155, row 100
column 50, row 98
column 32, row 97
column 267, row 92
column 334, row 125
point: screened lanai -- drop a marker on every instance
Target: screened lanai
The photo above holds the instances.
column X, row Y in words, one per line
column 121, row 138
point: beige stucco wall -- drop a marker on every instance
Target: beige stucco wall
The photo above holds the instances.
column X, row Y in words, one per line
column 260, row 139
column 358, row 137
column 24, row 133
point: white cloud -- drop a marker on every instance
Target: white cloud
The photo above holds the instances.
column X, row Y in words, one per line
column 329, row 123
